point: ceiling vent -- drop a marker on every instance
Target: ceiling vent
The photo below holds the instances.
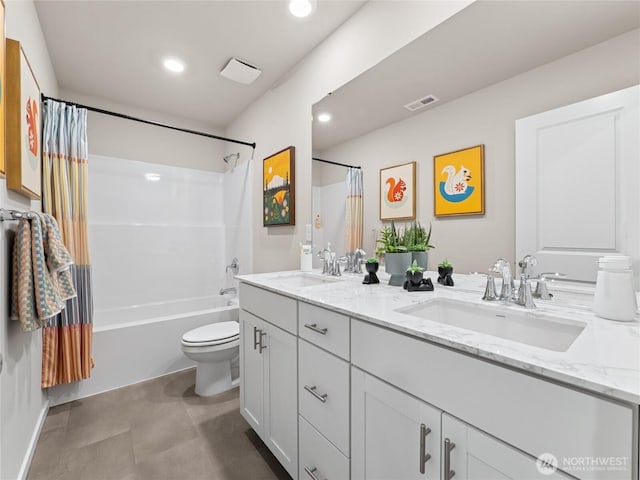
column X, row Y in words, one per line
column 421, row 103
column 240, row 71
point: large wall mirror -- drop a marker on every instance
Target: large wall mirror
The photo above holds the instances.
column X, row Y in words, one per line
column 465, row 83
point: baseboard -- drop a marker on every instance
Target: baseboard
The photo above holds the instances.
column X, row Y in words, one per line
column 26, row 462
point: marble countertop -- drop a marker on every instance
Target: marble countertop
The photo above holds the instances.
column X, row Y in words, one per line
column 604, row 358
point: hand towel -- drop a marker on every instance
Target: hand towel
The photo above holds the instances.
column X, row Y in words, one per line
column 41, row 277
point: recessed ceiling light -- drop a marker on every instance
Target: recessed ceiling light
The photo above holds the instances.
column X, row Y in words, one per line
column 324, row 117
column 301, row 8
column 173, row 65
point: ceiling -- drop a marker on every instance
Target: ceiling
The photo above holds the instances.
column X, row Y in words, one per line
column 114, row 49
column 485, row 43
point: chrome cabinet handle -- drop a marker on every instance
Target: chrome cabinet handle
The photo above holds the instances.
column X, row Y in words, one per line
column 314, row 327
column 256, row 342
column 312, row 472
column 424, row 456
column 312, row 391
column 448, row 446
column 261, row 345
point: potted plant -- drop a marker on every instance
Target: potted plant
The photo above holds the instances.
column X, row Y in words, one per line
column 372, row 268
column 414, row 273
column 396, row 256
column 417, row 240
column 445, row 269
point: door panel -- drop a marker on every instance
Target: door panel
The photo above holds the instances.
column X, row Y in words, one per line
column 251, row 373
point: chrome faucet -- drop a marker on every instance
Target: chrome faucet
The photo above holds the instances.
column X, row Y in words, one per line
column 224, row 291
column 525, row 296
column 330, row 265
column 234, row 266
column 503, row 267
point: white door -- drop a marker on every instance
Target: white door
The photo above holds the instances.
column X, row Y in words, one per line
column 251, row 372
column 472, row 455
column 394, row 436
column 577, row 179
column 281, row 396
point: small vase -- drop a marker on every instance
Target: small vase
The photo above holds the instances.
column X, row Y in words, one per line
column 371, row 276
column 415, row 277
column 396, row 264
column 444, row 276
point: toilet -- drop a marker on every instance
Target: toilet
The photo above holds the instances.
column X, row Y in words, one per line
column 214, row 347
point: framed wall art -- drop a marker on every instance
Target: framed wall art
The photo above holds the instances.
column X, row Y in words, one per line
column 23, row 124
column 459, row 182
column 398, row 192
column 278, row 184
column 2, row 90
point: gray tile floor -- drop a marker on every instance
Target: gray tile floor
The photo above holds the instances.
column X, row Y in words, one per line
column 154, row 430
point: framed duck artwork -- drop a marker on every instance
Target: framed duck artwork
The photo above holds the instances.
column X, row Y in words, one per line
column 459, row 182
column 398, row 192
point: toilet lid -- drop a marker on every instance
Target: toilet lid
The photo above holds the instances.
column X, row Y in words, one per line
column 220, row 332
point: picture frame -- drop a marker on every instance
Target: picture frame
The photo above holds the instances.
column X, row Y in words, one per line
column 398, row 192
column 2, row 91
column 278, row 188
column 458, row 182
column 23, row 124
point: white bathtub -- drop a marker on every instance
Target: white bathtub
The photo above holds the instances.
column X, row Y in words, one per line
column 143, row 342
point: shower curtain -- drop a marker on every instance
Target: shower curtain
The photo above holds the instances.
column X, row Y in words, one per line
column 354, row 209
column 67, row 337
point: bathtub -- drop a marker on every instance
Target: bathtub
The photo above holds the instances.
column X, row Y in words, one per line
column 139, row 343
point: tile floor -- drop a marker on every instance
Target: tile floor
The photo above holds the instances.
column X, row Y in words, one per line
column 159, row 429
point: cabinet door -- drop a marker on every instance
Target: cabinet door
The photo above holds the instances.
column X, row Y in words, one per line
column 281, row 396
column 389, row 439
column 251, row 372
column 474, row 455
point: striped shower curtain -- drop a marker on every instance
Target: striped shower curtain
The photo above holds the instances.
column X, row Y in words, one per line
column 354, row 209
column 67, row 337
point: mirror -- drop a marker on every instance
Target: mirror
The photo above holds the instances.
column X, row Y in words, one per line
column 465, row 83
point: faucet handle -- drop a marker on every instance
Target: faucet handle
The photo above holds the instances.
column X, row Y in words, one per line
column 527, row 264
column 525, row 297
column 490, row 289
column 541, row 291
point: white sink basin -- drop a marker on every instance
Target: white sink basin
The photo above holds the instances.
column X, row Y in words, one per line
column 528, row 327
column 306, row 280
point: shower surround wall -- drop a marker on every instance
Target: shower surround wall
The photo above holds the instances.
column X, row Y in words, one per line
column 157, row 236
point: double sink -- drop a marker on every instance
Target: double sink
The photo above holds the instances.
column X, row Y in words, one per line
column 530, row 327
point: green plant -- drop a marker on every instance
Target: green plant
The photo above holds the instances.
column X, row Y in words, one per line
column 417, row 238
column 372, row 260
column 391, row 240
column 445, row 264
column 414, row 268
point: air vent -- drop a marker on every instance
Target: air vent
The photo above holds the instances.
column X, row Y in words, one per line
column 240, row 71
column 421, row 103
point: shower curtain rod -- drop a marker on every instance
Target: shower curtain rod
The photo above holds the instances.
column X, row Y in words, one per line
column 150, row 122
column 334, row 163
column 13, row 215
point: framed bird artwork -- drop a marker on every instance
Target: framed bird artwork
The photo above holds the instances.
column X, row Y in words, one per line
column 459, row 182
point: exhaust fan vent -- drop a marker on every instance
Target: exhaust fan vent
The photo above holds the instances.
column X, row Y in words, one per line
column 421, row 103
column 240, row 71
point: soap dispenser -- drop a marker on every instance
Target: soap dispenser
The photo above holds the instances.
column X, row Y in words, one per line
column 615, row 297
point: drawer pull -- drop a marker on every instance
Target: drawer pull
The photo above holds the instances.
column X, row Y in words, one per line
column 424, row 456
column 314, row 327
column 256, row 342
column 312, row 391
column 448, row 446
column 312, row 472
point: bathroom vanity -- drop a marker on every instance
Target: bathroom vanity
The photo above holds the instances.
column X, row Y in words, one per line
column 343, row 380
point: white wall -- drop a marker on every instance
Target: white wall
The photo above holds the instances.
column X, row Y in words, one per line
column 282, row 117
column 484, row 117
column 120, row 138
column 22, row 403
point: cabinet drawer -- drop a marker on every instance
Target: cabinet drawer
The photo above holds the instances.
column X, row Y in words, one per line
column 529, row 413
column 318, row 457
column 276, row 309
column 320, row 374
column 327, row 329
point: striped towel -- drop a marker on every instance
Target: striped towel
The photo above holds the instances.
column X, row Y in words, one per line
column 41, row 278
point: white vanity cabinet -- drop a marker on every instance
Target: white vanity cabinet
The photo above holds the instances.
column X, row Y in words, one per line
column 394, row 435
column 469, row 454
column 268, row 371
column 323, row 393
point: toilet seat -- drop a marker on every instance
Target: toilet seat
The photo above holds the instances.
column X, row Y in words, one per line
column 211, row 335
